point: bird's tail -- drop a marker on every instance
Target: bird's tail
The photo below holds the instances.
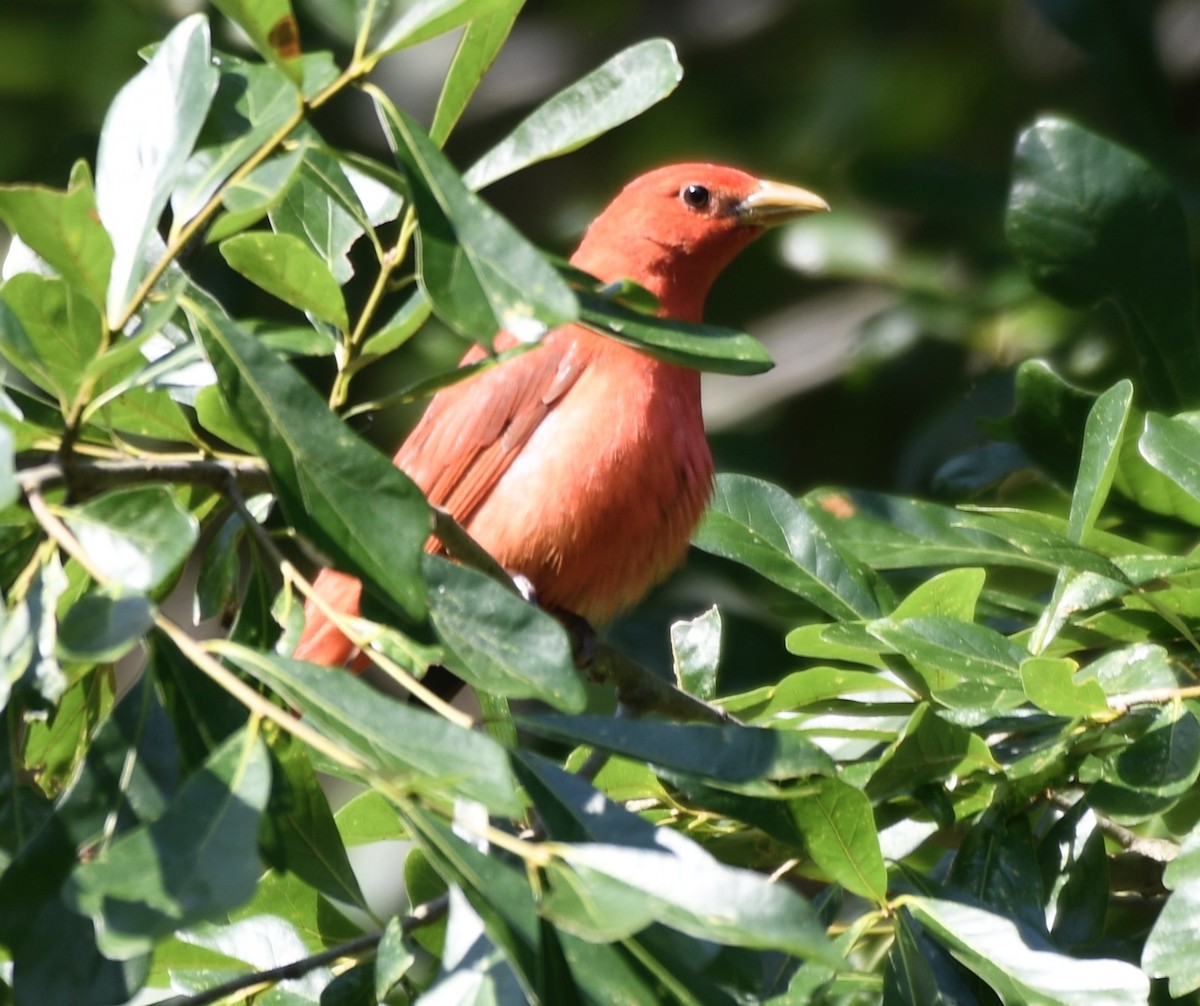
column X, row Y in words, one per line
column 322, row 642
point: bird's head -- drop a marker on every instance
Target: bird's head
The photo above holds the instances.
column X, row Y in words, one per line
column 674, row 229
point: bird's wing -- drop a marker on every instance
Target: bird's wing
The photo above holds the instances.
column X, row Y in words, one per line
column 471, row 431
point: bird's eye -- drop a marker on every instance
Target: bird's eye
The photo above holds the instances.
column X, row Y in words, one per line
column 695, row 196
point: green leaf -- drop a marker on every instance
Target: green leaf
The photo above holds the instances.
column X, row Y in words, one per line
column 954, row 594
column 1171, row 444
column 702, row 897
column 386, row 734
column 929, row 750
column 497, row 641
column 1170, row 950
column 195, row 861
column 696, row 653
column 100, row 627
column 148, row 134
column 9, row 489
column 704, row 347
column 729, row 753
column 478, row 47
column 284, row 266
column 759, row 525
column 49, row 332
column 919, row 972
column 1075, row 878
column 1101, row 443
column 1022, row 966
column 963, row 665
column 996, row 866
column 624, row 87
column 479, row 272
column 1050, row 684
column 1153, row 773
column 299, row 835
column 139, row 537
column 426, row 19
column 330, row 483
column 838, row 826
column 1090, row 221
column 271, row 27
column 257, row 194
column 251, row 103
column 64, row 229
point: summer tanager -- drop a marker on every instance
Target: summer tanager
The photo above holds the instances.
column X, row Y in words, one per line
column 582, row 465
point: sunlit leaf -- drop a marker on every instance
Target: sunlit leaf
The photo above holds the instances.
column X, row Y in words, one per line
column 148, row 135
column 479, row 272
column 761, row 526
column 284, row 266
column 624, row 87
column 138, row 537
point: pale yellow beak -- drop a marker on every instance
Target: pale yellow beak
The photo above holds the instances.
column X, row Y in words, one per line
column 774, row 203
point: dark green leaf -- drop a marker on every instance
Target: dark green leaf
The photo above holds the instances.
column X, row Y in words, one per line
column 147, row 137
column 996, row 865
column 198, row 859
column 838, row 826
column 1091, row 221
column 1075, row 878
column 761, row 526
column 702, row 897
column 730, row 753
column 64, row 229
column 139, row 537
column 624, row 87
column 921, row 973
column 497, row 641
column 100, row 627
column 479, row 272
column 409, row 745
column 929, row 750
column 330, row 483
column 704, row 347
column 300, row 836
column 478, row 47
column 284, row 266
column 1154, row 772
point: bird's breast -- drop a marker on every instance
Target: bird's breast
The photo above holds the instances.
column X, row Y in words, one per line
column 599, row 504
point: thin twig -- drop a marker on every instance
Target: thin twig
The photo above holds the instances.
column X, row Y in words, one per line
column 1158, row 849
column 422, row 915
column 1153, row 697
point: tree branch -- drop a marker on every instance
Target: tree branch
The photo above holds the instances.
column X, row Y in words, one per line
column 422, row 915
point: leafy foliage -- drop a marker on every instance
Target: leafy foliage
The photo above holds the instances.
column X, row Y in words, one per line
column 963, row 788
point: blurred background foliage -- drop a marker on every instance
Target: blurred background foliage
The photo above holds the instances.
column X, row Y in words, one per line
column 897, row 321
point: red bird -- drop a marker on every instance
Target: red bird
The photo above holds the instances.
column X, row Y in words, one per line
column 583, row 464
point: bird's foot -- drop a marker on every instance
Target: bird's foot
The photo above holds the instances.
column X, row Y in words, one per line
column 585, row 644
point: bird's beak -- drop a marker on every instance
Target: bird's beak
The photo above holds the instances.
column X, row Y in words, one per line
column 774, row 203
